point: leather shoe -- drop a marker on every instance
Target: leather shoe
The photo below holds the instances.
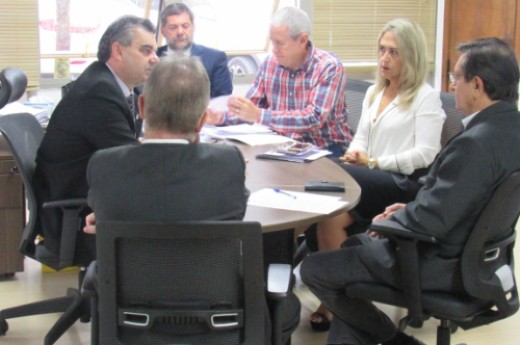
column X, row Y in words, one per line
column 403, row 339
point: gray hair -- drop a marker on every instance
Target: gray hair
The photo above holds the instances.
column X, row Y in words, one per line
column 176, row 95
column 174, row 10
column 122, row 31
column 297, row 21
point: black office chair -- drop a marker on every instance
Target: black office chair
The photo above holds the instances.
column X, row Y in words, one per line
column 453, row 123
column 24, row 134
column 13, row 83
column 187, row 283
column 486, row 265
column 355, row 90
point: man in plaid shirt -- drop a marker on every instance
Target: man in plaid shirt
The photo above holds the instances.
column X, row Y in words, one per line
column 299, row 90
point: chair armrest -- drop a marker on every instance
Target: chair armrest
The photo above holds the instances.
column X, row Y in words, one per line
column 67, row 203
column 278, row 294
column 278, row 280
column 408, row 261
column 391, row 228
column 70, row 227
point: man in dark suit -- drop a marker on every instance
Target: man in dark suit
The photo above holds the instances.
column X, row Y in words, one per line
column 175, row 177
column 458, row 186
column 94, row 114
column 177, row 27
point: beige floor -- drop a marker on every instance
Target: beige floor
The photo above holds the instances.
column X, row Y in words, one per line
column 34, row 285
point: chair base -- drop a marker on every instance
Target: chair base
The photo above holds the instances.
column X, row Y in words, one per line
column 74, row 306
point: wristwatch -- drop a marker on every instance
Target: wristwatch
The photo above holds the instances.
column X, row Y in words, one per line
column 371, row 163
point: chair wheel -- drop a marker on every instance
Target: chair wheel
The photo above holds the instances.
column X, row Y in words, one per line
column 3, row 327
column 403, row 323
column 453, row 327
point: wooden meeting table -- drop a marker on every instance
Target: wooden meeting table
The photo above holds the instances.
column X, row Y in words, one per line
column 263, row 173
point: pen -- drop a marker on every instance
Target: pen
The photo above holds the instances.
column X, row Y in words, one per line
column 278, row 190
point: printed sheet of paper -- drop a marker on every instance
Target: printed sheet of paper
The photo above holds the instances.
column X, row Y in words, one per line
column 218, row 103
column 295, row 201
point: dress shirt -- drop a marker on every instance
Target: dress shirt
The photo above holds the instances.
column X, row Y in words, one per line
column 401, row 140
column 126, row 91
column 306, row 104
column 468, row 119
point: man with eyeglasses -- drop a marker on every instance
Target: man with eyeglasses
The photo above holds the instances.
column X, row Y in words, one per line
column 457, row 188
column 298, row 91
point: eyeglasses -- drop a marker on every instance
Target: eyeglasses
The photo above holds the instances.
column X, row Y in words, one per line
column 453, row 77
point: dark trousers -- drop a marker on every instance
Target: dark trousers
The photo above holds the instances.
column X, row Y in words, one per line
column 356, row 321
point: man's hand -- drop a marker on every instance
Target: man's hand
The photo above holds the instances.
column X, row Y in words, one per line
column 214, row 117
column 244, row 108
column 384, row 216
column 90, row 224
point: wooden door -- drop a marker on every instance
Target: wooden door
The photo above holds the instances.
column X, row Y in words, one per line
column 465, row 20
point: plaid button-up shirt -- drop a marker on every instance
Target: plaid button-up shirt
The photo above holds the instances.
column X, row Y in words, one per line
column 306, row 104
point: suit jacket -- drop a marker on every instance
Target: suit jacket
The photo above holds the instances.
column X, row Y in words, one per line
column 94, row 114
column 215, row 63
column 458, row 186
column 163, row 182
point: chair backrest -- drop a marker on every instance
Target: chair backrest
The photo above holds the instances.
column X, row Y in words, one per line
column 487, row 259
column 183, row 283
column 24, row 134
column 13, row 83
column 354, row 94
column 453, row 123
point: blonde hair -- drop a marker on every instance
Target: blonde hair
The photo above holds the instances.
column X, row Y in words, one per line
column 411, row 44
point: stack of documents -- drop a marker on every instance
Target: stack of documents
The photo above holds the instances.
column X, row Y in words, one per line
column 295, row 152
column 249, row 134
column 40, row 112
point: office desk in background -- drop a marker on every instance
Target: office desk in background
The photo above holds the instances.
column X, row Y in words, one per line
column 12, row 213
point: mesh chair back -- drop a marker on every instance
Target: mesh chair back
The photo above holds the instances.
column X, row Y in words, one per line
column 453, row 123
column 184, row 283
column 354, row 94
column 13, row 83
column 24, row 134
column 490, row 249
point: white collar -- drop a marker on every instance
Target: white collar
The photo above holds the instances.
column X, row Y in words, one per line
column 165, row 141
column 171, row 52
column 468, row 119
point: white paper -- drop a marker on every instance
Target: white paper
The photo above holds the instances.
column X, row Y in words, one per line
column 219, row 103
column 259, row 139
column 41, row 114
column 243, row 128
column 296, row 201
column 250, row 134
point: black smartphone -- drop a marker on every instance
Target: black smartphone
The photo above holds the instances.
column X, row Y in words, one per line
column 324, row 186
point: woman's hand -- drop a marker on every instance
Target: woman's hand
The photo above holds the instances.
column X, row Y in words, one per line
column 355, row 157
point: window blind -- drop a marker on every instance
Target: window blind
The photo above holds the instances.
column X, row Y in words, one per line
column 19, row 38
column 350, row 28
